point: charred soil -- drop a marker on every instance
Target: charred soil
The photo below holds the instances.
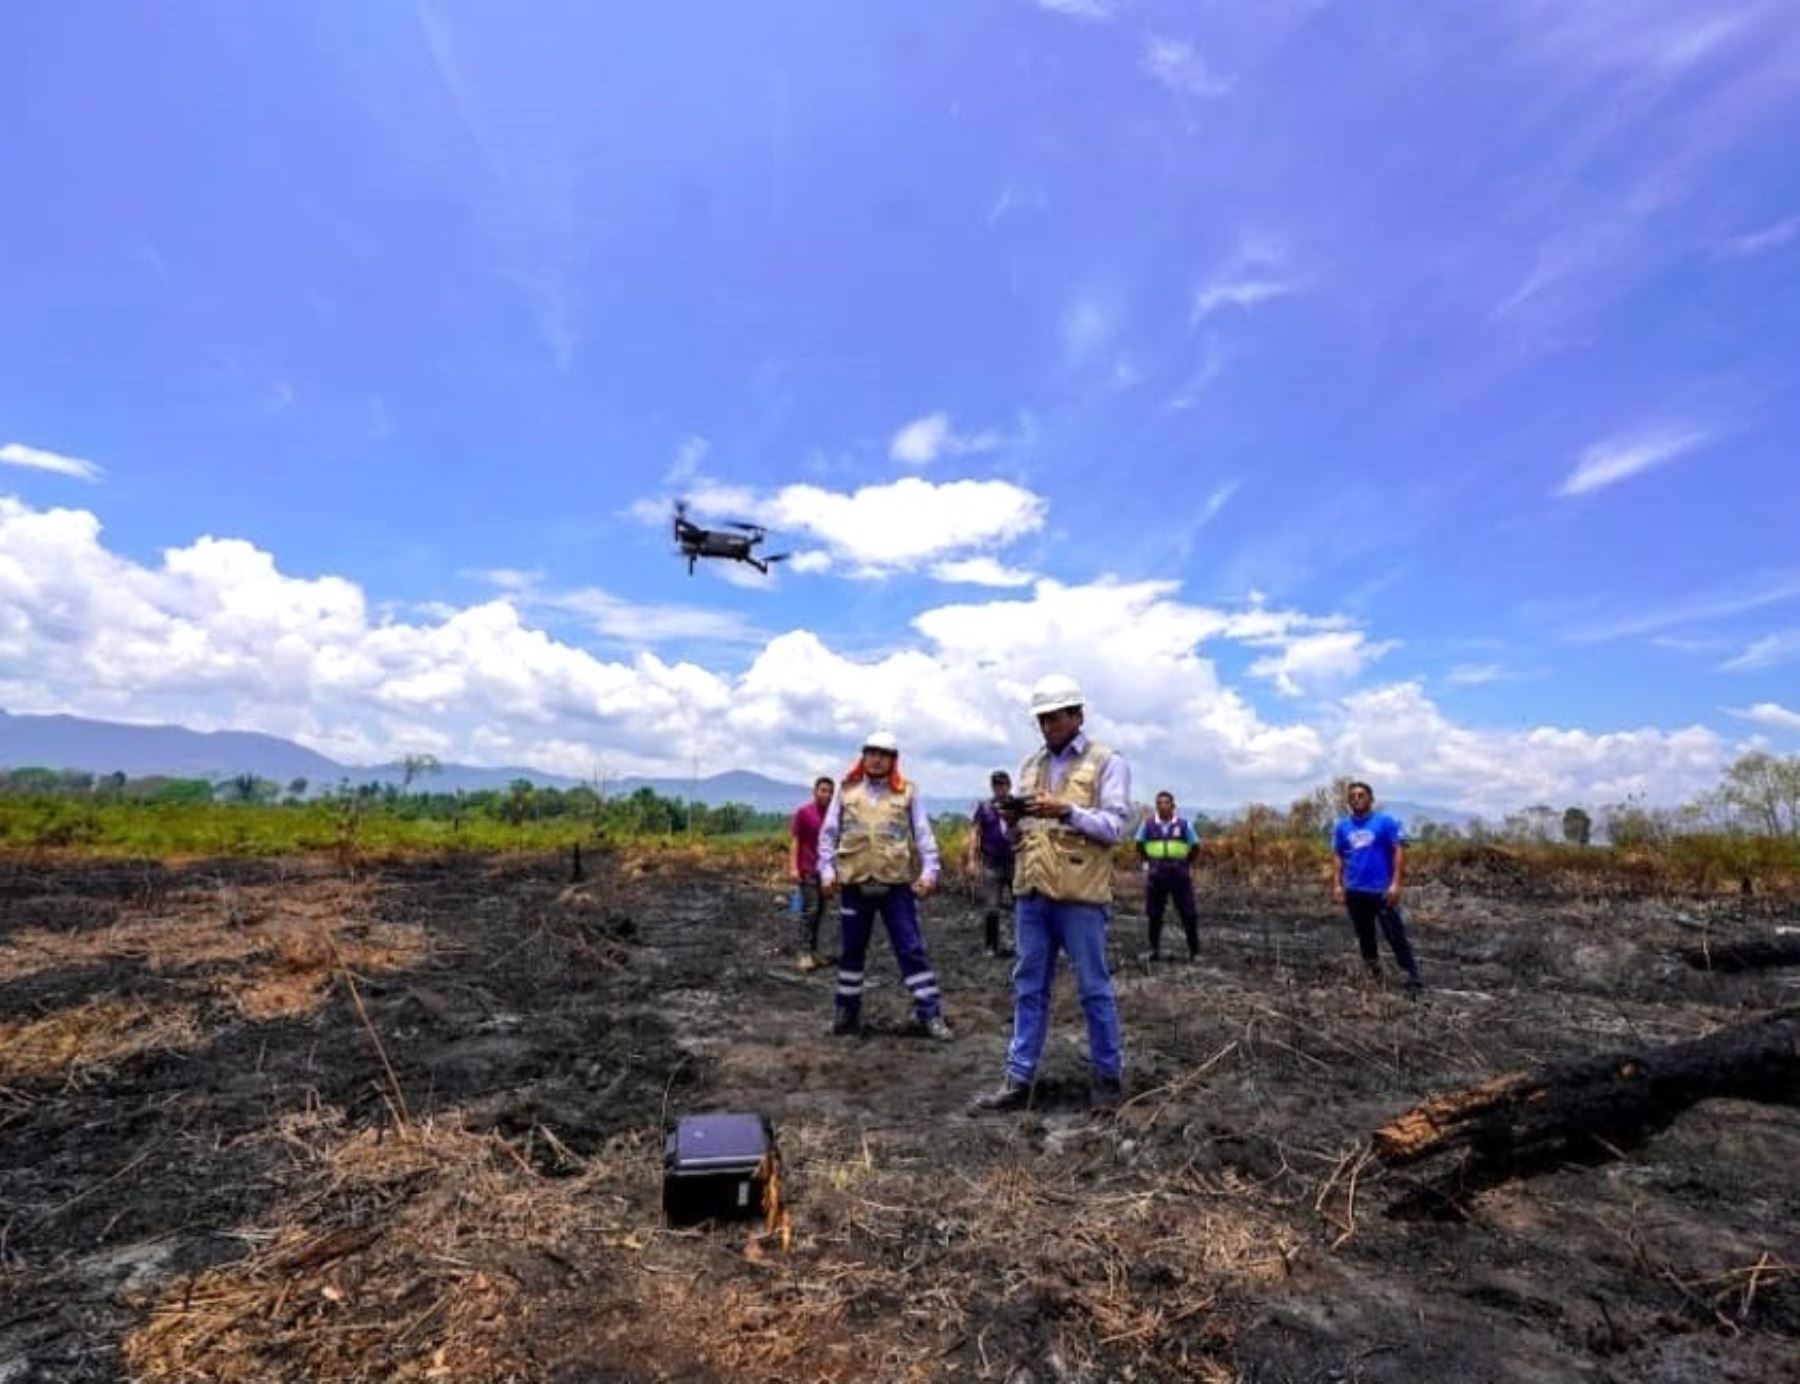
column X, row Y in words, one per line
column 263, row 1121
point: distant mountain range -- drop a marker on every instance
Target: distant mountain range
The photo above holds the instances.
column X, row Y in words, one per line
column 105, row 747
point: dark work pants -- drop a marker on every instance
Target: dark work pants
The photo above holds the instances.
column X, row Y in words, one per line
column 898, row 909
column 1165, row 884
column 1366, row 910
column 812, row 913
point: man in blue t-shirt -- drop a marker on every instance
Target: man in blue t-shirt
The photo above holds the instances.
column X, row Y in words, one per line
column 1368, row 871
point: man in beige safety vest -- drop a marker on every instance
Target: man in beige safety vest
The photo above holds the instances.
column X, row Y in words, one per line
column 1077, row 799
column 875, row 842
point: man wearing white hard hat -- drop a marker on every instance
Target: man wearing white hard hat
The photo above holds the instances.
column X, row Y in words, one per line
column 1077, row 798
column 875, row 843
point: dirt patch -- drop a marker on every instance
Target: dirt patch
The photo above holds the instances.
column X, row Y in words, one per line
column 215, row 1165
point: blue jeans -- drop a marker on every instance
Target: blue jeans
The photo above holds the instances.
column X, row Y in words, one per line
column 900, row 911
column 1044, row 926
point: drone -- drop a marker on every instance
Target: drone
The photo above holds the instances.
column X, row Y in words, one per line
column 697, row 542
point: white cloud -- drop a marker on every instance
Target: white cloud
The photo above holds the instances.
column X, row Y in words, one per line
column 37, row 459
column 1475, row 674
column 1771, row 714
column 981, row 571
column 1174, row 63
column 1316, row 662
column 1761, row 240
column 1398, row 737
column 898, row 526
column 686, row 462
column 924, row 440
column 1612, row 459
column 1091, row 10
column 215, row 634
column 812, row 560
column 1254, row 274
column 1771, row 651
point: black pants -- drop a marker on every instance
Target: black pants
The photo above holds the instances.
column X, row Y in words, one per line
column 1366, row 910
column 1178, row 885
column 812, row 910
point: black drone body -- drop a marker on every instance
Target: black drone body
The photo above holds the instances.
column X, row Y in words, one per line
column 735, row 541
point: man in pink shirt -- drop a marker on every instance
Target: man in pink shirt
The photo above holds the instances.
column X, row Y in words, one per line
column 803, row 868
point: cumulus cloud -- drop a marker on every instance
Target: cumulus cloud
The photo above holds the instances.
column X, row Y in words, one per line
column 924, row 440
column 1612, row 459
column 900, row 526
column 1771, row 714
column 215, row 634
column 1315, row 662
column 37, row 459
column 981, row 571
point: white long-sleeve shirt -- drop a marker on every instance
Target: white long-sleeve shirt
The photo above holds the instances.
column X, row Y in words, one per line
column 929, row 865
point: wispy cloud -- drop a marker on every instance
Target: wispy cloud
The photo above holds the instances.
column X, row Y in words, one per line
column 982, row 571
column 1175, row 63
column 1090, row 10
column 1716, row 605
column 924, row 440
column 1613, row 459
column 38, row 459
column 1253, row 275
column 1771, row 651
column 686, row 464
column 1771, row 714
column 1757, row 242
column 1475, row 674
column 614, row 617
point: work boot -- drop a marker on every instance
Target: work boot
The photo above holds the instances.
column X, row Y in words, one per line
column 807, row 962
column 1414, row 988
column 1011, row 1095
column 1106, row 1093
column 846, row 1023
column 1150, row 958
column 936, row 1029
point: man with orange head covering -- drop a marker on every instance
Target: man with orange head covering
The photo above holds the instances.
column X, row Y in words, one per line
column 876, row 846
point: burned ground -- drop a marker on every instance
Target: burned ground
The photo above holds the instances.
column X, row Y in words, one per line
column 261, row 1121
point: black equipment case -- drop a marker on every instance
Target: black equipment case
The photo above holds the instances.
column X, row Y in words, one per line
column 717, row 1165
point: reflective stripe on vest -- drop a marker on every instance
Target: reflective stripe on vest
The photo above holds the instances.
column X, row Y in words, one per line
column 1166, row 840
column 875, row 836
column 1052, row 859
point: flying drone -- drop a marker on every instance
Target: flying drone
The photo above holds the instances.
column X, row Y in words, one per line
column 697, row 542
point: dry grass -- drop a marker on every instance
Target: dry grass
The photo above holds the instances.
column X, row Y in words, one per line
column 100, row 1033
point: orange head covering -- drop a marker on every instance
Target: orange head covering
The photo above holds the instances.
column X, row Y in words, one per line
column 857, row 774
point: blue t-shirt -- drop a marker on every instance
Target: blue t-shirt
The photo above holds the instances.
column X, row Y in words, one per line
column 1366, row 847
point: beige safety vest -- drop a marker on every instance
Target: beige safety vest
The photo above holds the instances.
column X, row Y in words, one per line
column 875, row 836
column 1054, row 860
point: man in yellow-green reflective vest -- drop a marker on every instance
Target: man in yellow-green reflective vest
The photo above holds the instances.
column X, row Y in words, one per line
column 1168, row 846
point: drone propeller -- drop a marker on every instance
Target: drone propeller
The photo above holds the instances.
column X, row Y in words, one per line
column 746, row 528
column 777, row 557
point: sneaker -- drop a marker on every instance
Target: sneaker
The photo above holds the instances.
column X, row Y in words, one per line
column 937, row 1030
column 845, row 1024
column 1000, row 953
column 1011, row 1095
column 1106, row 1093
column 807, row 962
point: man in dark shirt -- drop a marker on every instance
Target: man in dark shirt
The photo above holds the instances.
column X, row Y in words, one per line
column 991, row 860
column 803, row 868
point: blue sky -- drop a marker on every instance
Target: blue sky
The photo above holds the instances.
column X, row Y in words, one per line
column 1334, row 386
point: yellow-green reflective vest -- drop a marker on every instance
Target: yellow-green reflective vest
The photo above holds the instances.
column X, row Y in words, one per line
column 1173, row 846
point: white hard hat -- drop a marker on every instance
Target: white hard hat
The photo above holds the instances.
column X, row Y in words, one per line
column 882, row 740
column 1057, row 692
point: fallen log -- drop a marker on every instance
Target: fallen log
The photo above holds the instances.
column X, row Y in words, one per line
column 1752, row 954
column 1614, row 1097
